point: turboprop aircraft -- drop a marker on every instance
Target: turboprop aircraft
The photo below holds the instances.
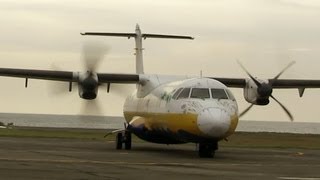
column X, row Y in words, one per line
column 171, row 109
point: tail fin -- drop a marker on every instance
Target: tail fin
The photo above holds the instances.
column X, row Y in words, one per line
column 138, row 38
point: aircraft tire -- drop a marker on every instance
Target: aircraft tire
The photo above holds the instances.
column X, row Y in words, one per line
column 207, row 150
column 119, row 141
column 128, row 140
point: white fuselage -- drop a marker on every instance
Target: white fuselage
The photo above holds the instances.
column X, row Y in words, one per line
column 177, row 110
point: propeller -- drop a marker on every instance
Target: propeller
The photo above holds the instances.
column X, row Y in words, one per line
column 91, row 107
column 93, row 53
column 265, row 89
column 246, row 110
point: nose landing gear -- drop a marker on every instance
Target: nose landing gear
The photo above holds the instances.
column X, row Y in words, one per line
column 207, row 150
column 123, row 138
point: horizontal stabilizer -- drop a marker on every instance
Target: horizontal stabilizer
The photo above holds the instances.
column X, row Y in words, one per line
column 109, row 34
column 128, row 35
column 166, row 36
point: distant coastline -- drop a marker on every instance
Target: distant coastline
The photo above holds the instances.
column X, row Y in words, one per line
column 114, row 122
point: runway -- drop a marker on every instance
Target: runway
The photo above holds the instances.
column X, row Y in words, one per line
column 50, row 158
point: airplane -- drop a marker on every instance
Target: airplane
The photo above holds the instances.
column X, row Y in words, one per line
column 2, row 125
column 172, row 109
column 6, row 126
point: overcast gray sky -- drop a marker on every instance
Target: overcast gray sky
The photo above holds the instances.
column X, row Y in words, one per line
column 265, row 35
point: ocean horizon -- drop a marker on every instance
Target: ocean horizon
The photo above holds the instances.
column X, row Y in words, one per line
column 114, row 122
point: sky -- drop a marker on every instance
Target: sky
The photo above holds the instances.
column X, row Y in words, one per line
column 265, row 35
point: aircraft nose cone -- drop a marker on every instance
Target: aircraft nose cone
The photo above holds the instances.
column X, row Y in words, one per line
column 214, row 122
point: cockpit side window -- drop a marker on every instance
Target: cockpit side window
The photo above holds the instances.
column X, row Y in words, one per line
column 219, row 94
column 175, row 95
column 184, row 93
column 201, row 93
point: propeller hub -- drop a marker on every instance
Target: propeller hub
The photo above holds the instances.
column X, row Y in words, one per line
column 90, row 83
column 263, row 101
column 265, row 90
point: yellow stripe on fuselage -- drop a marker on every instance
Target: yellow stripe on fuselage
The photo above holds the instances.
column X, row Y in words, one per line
column 171, row 121
column 233, row 125
column 174, row 122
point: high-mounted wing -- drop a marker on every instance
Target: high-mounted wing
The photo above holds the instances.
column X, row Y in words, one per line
column 88, row 82
column 118, row 78
column 295, row 83
column 38, row 74
column 68, row 76
column 231, row 82
column 278, row 84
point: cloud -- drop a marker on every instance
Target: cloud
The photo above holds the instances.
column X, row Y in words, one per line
column 303, row 3
column 300, row 49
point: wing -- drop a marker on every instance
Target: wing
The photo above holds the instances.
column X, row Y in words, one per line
column 38, row 74
column 118, row 78
column 67, row 76
column 279, row 83
column 231, row 82
column 295, row 83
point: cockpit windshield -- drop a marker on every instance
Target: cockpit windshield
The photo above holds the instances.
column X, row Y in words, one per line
column 200, row 93
column 175, row 95
column 184, row 93
column 218, row 94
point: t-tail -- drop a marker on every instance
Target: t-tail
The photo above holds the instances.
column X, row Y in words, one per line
column 138, row 36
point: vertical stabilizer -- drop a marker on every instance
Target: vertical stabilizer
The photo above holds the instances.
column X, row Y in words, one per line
column 139, row 49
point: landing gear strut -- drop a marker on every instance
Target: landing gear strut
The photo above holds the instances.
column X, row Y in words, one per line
column 207, row 150
column 123, row 138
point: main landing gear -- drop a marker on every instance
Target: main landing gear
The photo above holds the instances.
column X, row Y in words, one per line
column 207, row 150
column 123, row 138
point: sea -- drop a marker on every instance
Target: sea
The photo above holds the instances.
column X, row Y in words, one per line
column 113, row 122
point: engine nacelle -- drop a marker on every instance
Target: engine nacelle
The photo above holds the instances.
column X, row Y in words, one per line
column 252, row 95
column 88, row 85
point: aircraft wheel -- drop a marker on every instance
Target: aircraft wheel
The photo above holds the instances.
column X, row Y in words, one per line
column 128, row 140
column 119, row 141
column 207, row 150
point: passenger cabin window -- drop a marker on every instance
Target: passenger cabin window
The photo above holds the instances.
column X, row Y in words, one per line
column 184, row 93
column 219, row 94
column 200, row 93
column 175, row 95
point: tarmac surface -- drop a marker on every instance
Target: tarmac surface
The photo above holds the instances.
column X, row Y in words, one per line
column 48, row 158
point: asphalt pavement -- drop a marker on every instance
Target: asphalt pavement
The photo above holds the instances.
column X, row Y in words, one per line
column 49, row 158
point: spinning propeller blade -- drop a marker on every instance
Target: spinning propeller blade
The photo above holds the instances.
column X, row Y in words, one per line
column 245, row 70
column 93, row 54
column 283, row 107
column 246, row 110
column 281, row 72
